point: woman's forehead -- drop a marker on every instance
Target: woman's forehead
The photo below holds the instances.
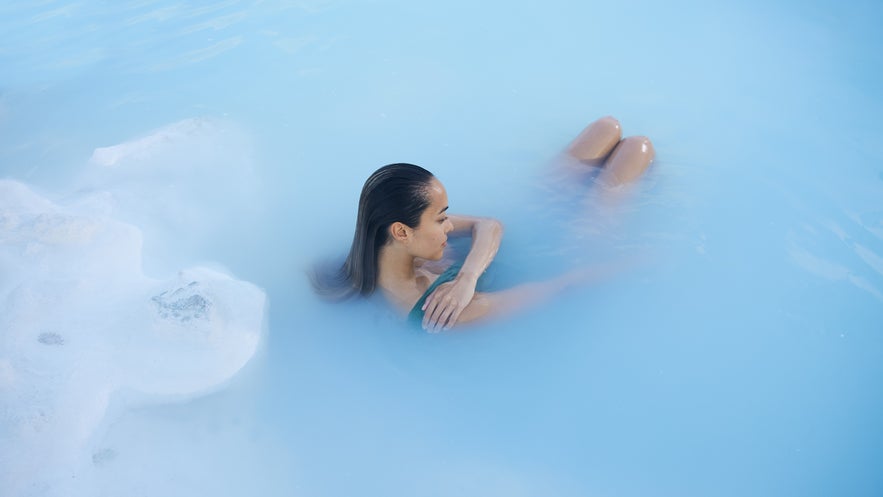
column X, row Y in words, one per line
column 437, row 192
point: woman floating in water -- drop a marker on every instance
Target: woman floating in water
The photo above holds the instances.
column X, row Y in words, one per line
column 403, row 222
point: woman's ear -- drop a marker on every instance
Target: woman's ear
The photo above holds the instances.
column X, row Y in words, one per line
column 399, row 232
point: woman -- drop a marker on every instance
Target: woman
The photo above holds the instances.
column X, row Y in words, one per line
column 403, row 222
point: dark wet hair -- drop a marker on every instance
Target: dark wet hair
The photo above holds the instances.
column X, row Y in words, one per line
column 394, row 193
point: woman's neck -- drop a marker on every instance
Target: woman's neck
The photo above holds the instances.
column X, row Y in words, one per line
column 394, row 268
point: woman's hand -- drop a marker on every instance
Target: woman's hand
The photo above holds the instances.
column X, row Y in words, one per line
column 443, row 307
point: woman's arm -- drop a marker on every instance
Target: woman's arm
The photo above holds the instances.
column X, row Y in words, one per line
column 486, row 236
column 444, row 306
column 487, row 305
column 493, row 304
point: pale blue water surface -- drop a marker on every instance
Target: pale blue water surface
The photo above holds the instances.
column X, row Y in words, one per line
column 740, row 353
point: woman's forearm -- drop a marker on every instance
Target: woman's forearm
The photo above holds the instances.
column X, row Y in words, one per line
column 443, row 307
column 525, row 295
column 486, row 236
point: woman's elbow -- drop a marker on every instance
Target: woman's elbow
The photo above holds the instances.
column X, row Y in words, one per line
column 495, row 227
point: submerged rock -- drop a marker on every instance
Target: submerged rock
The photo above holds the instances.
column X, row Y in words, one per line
column 50, row 338
column 127, row 339
column 184, row 303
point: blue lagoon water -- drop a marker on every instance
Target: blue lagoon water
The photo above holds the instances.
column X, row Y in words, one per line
column 168, row 171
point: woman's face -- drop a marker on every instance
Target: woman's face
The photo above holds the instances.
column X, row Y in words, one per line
column 431, row 235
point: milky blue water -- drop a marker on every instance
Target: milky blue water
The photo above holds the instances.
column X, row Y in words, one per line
column 738, row 352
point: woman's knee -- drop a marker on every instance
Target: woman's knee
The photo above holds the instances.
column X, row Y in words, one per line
column 597, row 140
column 641, row 145
column 629, row 160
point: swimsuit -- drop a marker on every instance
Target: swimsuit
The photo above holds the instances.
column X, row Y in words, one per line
column 415, row 317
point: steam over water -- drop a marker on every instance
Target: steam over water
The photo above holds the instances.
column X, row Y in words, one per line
column 168, row 172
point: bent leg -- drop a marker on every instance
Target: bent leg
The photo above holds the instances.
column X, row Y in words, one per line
column 596, row 141
column 629, row 159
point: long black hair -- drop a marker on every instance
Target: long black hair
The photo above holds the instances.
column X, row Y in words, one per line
column 394, row 193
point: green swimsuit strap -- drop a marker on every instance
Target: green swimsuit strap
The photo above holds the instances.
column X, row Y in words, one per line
column 416, row 314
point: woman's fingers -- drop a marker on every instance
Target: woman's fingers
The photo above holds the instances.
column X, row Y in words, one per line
column 442, row 309
column 431, row 308
column 437, row 313
column 455, row 315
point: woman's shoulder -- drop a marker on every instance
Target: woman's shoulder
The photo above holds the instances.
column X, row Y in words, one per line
column 416, row 311
column 432, row 268
column 429, row 274
column 433, row 274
